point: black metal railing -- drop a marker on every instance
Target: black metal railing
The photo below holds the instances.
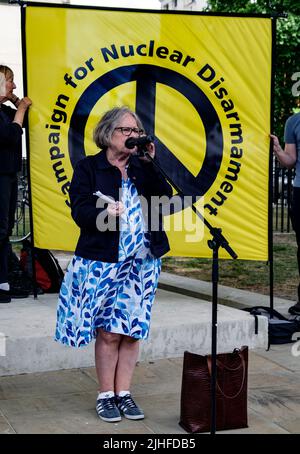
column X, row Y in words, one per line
column 22, row 224
column 282, row 198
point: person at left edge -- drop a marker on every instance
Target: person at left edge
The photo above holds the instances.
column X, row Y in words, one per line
column 110, row 284
column 11, row 123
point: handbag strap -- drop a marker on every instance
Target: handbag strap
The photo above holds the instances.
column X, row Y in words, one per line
column 242, row 364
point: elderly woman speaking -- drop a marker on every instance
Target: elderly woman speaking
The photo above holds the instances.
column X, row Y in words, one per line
column 110, row 284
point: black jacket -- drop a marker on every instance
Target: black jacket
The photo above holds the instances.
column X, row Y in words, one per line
column 10, row 141
column 95, row 173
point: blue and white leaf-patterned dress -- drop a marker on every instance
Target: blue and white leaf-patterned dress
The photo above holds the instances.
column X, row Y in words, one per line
column 116, row 297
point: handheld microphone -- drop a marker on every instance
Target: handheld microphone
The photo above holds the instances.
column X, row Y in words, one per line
column 132, row 142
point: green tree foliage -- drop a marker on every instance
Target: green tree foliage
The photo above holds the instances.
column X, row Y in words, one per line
column 287, row 62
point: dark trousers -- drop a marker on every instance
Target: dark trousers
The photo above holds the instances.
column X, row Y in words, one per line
column 295, row 218
column 8, row 202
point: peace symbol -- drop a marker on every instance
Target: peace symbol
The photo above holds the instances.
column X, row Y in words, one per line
column 146, row 77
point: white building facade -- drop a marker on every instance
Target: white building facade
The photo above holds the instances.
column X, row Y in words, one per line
column 191, row 5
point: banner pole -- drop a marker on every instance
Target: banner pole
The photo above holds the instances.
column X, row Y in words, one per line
column 271, row 167
column 24, row 68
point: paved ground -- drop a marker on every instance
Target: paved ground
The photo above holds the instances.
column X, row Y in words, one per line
column 63, row 401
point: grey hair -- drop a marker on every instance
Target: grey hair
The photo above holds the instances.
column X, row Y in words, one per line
column 108, row 122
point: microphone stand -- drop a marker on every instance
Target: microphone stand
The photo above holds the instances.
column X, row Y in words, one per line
column 218, row 240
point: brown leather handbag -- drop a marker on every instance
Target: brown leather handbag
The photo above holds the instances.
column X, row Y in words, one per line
column 231, row 391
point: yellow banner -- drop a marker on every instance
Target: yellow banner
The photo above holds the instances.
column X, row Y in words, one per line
column 201, row 85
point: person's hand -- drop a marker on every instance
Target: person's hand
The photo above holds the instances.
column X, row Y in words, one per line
column 115, row 209
column 22, row 106
column 24, row 103
column 150, row 150
column 12, row 98
column 276, row 145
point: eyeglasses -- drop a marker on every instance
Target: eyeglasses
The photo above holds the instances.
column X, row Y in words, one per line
column 126, row 131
